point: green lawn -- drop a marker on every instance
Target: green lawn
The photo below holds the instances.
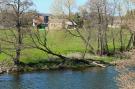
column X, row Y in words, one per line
column 61, row 42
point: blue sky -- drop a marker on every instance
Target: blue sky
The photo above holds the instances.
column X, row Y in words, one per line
column 44, row 6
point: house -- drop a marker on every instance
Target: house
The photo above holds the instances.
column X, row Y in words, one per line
column 70, row 24
column 115, row 23
column 42, row 21
column 56, row 23
column 61, row 23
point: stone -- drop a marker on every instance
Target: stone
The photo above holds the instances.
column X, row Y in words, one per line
column 1, row 71
column 100, row 65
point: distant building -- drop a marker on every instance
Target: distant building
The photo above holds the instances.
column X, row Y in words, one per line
column 46, row 21
column 116, row 23
column 61, row 23
column 69, row 24
column 56, row 23
column 41, row 20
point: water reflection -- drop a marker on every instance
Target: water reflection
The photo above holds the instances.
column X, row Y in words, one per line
column 94, row 78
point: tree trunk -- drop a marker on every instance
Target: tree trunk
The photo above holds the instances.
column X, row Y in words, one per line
column 19, row 37
column 18, row 47
column 113, row 39
column 130, row 41
column 106, row 41
column 121, row 41
column 134, row 41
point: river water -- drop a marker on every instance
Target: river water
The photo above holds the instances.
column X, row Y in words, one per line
column 93, row 78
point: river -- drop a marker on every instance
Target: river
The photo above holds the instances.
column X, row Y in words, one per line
column 93, row 78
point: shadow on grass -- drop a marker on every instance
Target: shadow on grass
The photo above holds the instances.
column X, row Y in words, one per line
column 56, row 64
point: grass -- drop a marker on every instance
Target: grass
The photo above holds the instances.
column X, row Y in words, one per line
column 64, row 43
column 3, row 57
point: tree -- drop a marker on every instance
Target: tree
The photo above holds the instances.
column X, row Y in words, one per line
column 15, row 13
column 63, row 7
column 78, row 20
column 127, row 22
column 57, row 7
column 98, row 15
column 40, row 42
column 97, row 18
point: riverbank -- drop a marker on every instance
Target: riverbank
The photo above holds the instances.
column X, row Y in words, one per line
column 75, row 61
column 126, row 71
column 56, row 64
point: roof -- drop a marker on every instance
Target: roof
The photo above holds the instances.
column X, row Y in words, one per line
column 70, row 23
column 44, row 14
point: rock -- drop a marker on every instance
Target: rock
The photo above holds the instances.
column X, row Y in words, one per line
column 1, row 71
column 14, row 68
column 7, row 71
column 100, row 65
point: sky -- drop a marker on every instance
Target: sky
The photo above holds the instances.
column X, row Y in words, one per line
column 43, row 6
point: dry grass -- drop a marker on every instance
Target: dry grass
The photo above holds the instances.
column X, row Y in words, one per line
column 126, row 77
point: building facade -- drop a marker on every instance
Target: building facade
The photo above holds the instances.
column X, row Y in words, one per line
column 46, row 21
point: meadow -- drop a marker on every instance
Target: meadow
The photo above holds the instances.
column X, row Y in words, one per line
column 60, row 41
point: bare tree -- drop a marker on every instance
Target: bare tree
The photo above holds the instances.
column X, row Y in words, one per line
column 98, row 15
column 16, row 10
column 63, row 7
column 40, row 41
column 57, row 7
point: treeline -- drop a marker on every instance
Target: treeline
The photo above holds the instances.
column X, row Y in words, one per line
column 104, row 17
